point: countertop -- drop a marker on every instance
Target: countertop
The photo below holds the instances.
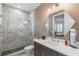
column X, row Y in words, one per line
column 59, row 47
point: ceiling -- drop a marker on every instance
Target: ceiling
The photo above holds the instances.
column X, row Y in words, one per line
column 24, row 6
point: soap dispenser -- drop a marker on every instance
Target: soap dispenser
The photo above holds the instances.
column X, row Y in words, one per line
column 43, row 37
column 66, row 40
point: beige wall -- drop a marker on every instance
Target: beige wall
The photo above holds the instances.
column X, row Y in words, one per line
column 41, row 16
column 42, row 13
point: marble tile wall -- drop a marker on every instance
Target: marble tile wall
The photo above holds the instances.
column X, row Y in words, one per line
column 16, row 28
column 0, row 27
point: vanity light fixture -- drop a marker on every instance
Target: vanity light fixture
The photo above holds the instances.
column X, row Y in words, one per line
column 53, row 6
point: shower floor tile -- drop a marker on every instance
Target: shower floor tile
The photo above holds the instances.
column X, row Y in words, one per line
column 21, row 53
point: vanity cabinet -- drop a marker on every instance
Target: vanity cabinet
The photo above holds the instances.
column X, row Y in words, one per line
column 59, row 54
column 40, row 50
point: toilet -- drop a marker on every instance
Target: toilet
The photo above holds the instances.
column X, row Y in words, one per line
column 29, row 49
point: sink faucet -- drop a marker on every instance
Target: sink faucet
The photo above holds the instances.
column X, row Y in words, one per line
column 52, row 40
column 55, row 40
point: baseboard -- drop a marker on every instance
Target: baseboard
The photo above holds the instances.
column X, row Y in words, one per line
column 11, row 51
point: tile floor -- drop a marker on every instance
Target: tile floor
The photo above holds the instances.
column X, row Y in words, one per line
column 21, row 53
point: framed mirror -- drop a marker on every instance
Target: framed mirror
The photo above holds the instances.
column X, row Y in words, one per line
column 59, row 25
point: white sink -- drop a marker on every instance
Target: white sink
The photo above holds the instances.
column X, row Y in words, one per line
column 50, row 43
